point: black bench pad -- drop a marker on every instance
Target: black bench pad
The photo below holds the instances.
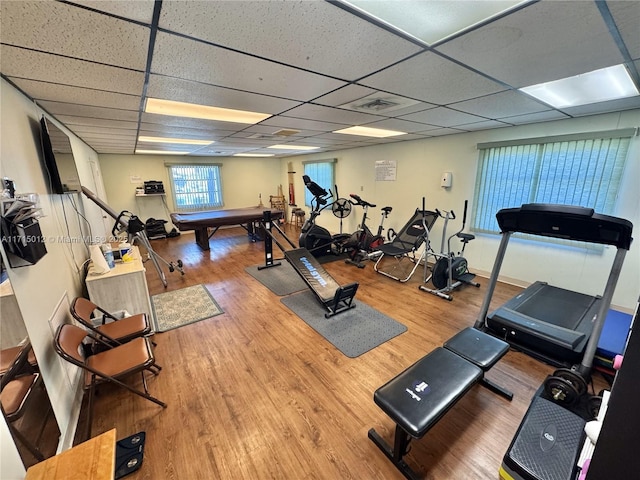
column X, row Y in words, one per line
column 418, row 397
column 477, row 347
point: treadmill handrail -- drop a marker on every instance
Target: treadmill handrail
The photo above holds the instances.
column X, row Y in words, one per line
column 567, row 222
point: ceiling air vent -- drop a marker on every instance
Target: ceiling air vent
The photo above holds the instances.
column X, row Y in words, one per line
column 379, row 102
column 263, row 136
column 286, row 132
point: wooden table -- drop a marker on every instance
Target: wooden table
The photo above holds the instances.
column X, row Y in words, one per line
column 94, row 459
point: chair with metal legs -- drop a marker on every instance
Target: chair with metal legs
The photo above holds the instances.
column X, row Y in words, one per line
column 110, row 365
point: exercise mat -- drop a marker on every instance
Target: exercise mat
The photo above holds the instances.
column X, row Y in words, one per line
column 281, row 279
column 353, row 332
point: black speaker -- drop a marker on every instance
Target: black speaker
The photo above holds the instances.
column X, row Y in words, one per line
column 129, row 453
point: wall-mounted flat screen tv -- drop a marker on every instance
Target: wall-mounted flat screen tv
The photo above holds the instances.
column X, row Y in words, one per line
column 58, row 159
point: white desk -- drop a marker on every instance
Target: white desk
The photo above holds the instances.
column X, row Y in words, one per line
column 121, row 288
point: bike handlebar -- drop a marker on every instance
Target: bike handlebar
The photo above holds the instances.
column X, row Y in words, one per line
column 360, row 201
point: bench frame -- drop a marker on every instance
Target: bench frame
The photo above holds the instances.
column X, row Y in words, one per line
column 402, row 438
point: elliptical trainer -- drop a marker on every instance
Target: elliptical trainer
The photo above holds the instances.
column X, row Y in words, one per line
column 318, row 240
column 363, row 242
column 451, row 270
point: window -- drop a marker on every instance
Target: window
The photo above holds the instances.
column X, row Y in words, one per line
column 196, row 187
column 572, row 170
column 321, row 172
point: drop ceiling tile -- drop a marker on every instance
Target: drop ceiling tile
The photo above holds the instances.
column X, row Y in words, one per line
column 96, row 122
column 139, row 10
column 283, row 121
column 541, row 42
column 627, row 18
column 433, row 79
column 83, row 96
column 333, row 115
column 305, row 34
column 156, row 130
column 438, row 132
column 604, row 107
column 185, row 122
column 442, row 117
column 70, row 109
column 174, row 56
column 107, row 137
column 271, row 129
column 347, row 94
column 64, row 29
column 487, row 124
column 400, row 125
column 180, row 90
column 503, row 104
column 82, row 130
column 46, row 67
column 535, row 117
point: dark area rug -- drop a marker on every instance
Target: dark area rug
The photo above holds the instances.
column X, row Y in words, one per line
column 353, row 332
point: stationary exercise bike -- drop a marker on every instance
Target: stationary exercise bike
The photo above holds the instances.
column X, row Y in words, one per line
column 318, row 240
column 363, row 243
column 450, row 270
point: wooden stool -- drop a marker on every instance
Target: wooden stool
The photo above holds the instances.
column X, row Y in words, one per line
column 298, row 217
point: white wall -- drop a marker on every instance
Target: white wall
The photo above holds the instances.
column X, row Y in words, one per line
column 419, row 166
column 40, row 287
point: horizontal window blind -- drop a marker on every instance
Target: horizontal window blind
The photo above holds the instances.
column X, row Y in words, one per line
column 196, row 187
column 583, row 172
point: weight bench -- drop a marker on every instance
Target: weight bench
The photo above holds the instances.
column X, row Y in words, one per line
column 420, row 396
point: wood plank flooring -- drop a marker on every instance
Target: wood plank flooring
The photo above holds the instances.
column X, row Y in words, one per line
column 255, row 393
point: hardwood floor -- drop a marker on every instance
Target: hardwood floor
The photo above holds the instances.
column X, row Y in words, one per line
column 255, row 393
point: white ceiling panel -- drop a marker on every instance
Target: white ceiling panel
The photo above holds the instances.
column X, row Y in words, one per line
column 431, row 78
column 313, row 35
column 70, row 109
column 46, row 67
column 57, row 28
column 542, row 42
column 333, row 115
column 194, row 92
column 627, row 18
column 309, row 64
column 503, row 104
column 174, row 56
column 139, row 10
column 442, row 117
column 83, row 96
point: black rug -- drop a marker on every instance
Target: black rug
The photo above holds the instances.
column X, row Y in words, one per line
column 281, row 280
column 353, row 332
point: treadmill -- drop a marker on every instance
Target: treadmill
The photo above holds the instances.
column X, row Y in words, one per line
column 550, row 323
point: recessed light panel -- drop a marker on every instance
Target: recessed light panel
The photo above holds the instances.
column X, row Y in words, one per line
column 193, row 110
column 598, row 86
column 370, row 132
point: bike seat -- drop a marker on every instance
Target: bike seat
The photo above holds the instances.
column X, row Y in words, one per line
column 466, row 237
column 387, row 209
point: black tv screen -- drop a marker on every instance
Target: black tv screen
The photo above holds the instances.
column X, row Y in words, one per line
column 58, row 159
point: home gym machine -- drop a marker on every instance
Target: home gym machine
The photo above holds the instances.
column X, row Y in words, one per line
column 313, row 237
column 333, row 297
column 127, row 222
column 450, row 270
column 363, row 243
column 549, row 437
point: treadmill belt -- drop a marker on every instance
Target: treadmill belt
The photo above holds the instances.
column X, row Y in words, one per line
column 557, row 306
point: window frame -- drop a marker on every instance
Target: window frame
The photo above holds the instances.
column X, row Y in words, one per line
column 214, row 179
column 491, row 168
